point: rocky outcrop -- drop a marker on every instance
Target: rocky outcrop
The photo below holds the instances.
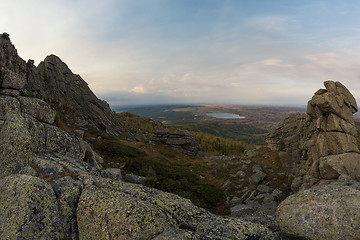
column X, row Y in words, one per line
column 49, row 191
column 320, row 144
column 330, row 211
column 179, row 140
column 53, row 82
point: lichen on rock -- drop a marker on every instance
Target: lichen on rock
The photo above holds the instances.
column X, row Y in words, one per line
column 28, row 209
column 15, row 145
column 330, row 211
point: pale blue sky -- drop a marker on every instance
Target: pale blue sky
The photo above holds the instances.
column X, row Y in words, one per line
column 194, row 51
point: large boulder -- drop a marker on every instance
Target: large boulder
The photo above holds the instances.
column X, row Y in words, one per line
column 321, row 143
column 330, row 211
column 131, row 211
column 28, row 209
column 179, row 140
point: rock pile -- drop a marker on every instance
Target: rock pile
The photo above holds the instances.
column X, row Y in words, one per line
column 179, row 140
column 320, row 144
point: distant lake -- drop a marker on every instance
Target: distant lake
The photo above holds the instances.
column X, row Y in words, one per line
column 225, row 115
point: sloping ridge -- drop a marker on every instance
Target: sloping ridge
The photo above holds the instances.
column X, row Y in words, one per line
column 66, row 92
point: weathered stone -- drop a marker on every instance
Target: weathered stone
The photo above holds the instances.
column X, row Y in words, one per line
column 333, row 166
column 257, row 178
column 132, row 178
column 38, row 109
column 327, row 129
column 48, row 168
column 91, row 156
column 114, row 173
column 9, row 58
column 241, row 210
column 67, row 93
column 179, row 140
column 59, row 141
column 330, row 211
column 8, row 105
column 37, row 133
column 347, row 96
column 233, row 229
column 28, row 209
column 11, row 80
column 177, row 234
column 15, row 145
column 263, row 188
column 67, row 192
column 10, row 92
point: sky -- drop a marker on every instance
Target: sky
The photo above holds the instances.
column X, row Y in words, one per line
column 275, row 52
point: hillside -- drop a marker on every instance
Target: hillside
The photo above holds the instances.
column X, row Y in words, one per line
column 252, row 129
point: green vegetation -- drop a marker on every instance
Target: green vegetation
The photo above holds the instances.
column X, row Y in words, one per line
column 220, row 146
column 164, row 168
column 117, row 148
column 136, row 124
column 239, row 131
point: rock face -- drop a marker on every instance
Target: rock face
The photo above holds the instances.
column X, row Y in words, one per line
column 320, row 144
column 53, row 82
column 178, row 140
column 330, row 211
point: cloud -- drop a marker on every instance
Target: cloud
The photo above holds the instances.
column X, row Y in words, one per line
column 138, row 89
column 128, row 51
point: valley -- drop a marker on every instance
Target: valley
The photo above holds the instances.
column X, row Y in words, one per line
column 252, row 127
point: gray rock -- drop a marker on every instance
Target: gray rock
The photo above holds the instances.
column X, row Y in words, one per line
column 251, row 153
column 179, row 140
column 330, row 211
column 38, row 109
column 263, row 188
column 316, row 143
column 15, row 145
column 59, row 141
column 66, row 92
column 177, row 234
column 132, row 178
column 10, row 92
column 257, row 178
column 241, row 209
column 240, row 174
column 67, row 192
column 226, row 184
column 8, row 105
column 114, row 173
column 11, row 80
column 28, row 209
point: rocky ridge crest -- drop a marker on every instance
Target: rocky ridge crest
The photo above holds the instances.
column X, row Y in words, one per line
column 53, row 82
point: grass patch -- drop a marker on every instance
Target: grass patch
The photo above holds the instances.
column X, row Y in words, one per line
column 117, row 148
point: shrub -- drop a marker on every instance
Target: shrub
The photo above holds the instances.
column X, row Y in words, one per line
column 116, row 148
